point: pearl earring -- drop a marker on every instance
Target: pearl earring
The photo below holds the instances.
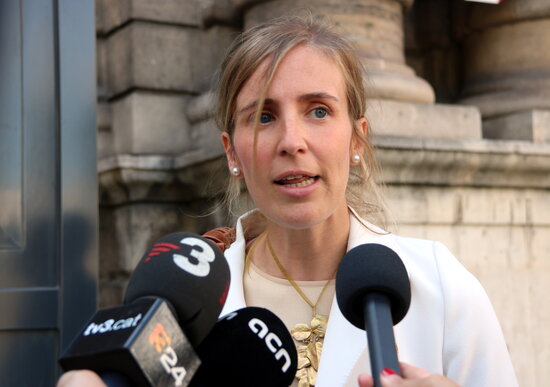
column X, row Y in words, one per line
column 235, row 171
column 356, row 159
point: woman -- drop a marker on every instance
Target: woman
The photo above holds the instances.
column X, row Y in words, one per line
column 291, row 106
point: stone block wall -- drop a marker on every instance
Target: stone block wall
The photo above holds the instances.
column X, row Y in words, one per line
column 459, row 110
column 159, row 153
column 488, row 202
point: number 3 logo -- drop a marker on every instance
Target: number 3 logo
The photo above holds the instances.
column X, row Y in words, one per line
column 204, row 257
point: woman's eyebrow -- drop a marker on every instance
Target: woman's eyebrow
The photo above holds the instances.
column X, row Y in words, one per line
column 321, row 95
column 267, row 101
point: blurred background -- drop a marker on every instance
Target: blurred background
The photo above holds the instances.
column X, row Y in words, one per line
column 118, row 91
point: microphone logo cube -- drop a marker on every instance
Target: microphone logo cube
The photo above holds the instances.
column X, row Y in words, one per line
column 141, row 340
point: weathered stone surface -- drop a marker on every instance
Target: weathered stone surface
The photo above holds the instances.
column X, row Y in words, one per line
column 507, row 65
column 501, row 51
column 483, row 15
column 201, row 107
column 133, row 178
column 206, row 136
column 409, row 161
column 375, row 27
column 463, row 162
column 422, row 205
column 531, row 125
column 520, row 298
column 392, row 118
column 103, row 117
column 497, row 227
column 101, row 68
column 484, row 247
column 512, row 264
column 111, row 14
column 155, row 123
column 166, row 57
column 151, row 123
column 104, row 134
column 114, row 13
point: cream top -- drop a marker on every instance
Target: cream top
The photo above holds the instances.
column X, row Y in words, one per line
column 278, row 295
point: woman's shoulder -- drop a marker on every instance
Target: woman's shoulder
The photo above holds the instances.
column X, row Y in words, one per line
column 432, row 256
column 425, row 259
column 423, row 248
column 363, row 231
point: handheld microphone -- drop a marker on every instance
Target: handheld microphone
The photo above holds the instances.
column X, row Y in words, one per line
column 248, row 347
column 181, row 282
column 374, row 293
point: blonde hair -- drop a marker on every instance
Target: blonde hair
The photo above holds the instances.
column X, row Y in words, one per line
column 273, row 40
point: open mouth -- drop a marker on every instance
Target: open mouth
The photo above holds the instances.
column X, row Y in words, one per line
column 293, row 181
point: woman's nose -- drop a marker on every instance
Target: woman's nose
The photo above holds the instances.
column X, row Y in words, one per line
column 293, row 137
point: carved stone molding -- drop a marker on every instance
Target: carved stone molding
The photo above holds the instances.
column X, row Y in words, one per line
column 473, row 163
column 126, row 179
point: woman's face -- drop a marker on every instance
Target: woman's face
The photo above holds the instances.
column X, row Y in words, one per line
column 304, row 141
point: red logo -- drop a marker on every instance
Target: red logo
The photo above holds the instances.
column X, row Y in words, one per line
column 160, row 247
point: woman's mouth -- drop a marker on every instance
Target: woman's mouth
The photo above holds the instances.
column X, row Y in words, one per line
column 293, row 181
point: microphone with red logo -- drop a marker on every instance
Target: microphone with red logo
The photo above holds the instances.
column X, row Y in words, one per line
column 172, row 301
column 248, row 347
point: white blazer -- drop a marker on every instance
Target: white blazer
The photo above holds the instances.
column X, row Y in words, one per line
column 450, row 328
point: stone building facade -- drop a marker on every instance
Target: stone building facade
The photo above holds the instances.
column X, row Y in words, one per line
column 459, row 108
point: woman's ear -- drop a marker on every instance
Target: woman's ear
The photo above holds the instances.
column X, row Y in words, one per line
column 362, row 126
column 232, row 160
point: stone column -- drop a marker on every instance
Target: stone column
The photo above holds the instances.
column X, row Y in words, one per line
column 400, row 103
column 376, row 29
column 507, row 68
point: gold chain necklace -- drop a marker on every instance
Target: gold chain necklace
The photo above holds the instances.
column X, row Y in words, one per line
column 311, row 337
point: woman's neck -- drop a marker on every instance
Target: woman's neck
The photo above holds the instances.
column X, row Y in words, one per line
column 308, row 254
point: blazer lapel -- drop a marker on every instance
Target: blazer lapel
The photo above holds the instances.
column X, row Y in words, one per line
column 342, row 346
column 345, row 345
column 234, row 256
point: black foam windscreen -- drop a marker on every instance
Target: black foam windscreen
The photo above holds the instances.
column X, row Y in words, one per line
column 248, row 347
column 372, row 268
column 191, row 273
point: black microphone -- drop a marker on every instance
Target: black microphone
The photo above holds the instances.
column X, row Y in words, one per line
column 248, row 347
column 181, row 282
column 374, row 293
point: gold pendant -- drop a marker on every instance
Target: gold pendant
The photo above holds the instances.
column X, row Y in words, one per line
column 301, row 332
column 309, row 354
column 319, row 325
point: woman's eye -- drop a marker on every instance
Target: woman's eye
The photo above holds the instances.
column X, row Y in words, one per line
column 265, row 118
column 319, row 112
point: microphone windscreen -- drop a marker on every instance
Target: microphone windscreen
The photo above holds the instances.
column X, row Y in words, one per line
column 248, row 347
column 372, row 268
column 191, row 273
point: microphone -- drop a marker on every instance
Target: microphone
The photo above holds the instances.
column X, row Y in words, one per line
column 180, row 283
column 248, row 347
column 374, row 293
column 194, row 277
